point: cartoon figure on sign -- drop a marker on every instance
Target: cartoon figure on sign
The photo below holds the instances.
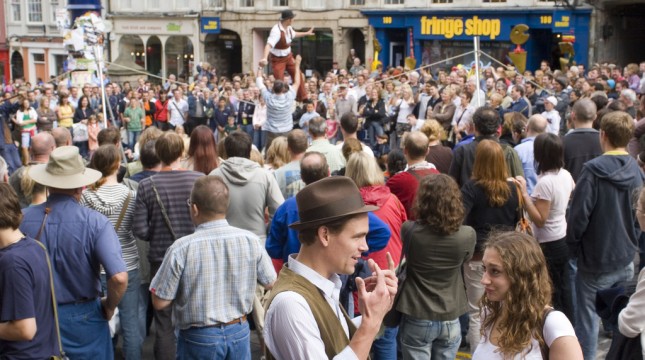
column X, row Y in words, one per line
column 519, row 36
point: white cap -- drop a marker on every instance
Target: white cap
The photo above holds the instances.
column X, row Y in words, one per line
column 552, row 100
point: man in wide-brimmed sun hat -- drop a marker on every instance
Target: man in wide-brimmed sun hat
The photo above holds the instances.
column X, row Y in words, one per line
column 79, row 241
column 304, row 318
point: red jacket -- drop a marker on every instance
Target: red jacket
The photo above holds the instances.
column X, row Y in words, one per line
column 404, row 185
column 161, row 111
column 393, row 214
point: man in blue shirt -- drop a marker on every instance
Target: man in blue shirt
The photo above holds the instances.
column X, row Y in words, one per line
column 283, row 241
column 79, row 241
column 27, row 326
column 537, row 125
column 519, row 103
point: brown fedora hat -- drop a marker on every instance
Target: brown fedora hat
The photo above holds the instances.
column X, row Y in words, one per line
column 327, row 200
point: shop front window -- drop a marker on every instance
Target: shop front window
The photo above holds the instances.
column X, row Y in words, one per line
column 316, row 50
column 436, row 50
column 179, row 56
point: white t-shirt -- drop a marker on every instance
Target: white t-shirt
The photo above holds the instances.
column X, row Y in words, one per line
column 556, row 325
column 553, row 118
column 555, row 187
column 177, row 109
column 404, row 110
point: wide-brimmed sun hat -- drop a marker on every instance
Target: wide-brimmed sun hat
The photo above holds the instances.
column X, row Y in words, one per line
column 64, row 170
column 327, row 200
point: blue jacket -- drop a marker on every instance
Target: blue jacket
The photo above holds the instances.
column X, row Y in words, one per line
column 602, row 230
column 283, row 241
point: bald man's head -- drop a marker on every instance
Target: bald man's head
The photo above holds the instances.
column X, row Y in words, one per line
column 42, row 144
column 416, row 146
column 62, row 136
column 537, row 125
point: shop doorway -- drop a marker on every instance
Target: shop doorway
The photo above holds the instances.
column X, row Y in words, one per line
column 17, row 70
column 224, row 52
column 153, row 56
column 358, row 44
column 397, row 53
column 179, row 57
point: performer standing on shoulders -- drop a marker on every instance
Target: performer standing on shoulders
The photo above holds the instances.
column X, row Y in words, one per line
column 279, row 46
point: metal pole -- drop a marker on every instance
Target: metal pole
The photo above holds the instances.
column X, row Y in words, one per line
column 98, row 55
column 477, row 73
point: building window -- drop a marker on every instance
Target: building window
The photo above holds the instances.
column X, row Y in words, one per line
column 53, row 6
column 494, row 1
column 153, row 5
column 246, row 3
column 394, row 2
column 15, row 10
column 280, row 3
column 315, row 4
column 442, row 1
column 356, row 2
column 35, row 9
column 38, row 58
column 126, row 4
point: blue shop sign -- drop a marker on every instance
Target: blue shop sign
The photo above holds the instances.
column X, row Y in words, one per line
column 210, row 25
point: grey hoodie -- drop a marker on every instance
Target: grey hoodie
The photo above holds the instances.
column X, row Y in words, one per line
column 251, row 190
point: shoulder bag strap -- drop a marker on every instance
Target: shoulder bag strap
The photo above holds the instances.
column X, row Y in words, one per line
column 51, row 281
column 415, row 174
column 163, row 210
column 520, row 199
column 123, row 210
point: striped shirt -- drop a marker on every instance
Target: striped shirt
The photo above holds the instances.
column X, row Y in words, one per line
column 279, row 109
column 174, row 189
column 211, row 275
column 109, row 200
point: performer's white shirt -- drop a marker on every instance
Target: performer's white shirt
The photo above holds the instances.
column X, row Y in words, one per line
column 274, row 37
column 290, row 330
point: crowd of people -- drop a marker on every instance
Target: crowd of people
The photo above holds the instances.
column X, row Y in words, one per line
column 289, row 206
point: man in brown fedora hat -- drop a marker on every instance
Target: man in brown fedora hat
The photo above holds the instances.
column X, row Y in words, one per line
column 304, row 319
column 79, row 241
column 279, row 47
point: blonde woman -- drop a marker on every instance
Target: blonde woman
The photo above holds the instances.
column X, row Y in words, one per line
column 134, row 118
column 277, row 154
column 402, row 105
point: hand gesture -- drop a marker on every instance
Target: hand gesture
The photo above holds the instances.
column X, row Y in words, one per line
column 376, row 302
column 263, row 62
column 311, row 31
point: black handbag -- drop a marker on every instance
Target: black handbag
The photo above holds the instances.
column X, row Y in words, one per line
column 393, row 317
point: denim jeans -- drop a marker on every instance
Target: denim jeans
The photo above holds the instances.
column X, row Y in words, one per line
column 249, row 130
column 129, row 315
column 473, row 272
column 84, row 332
column 215, row 342
column 374, row 129
column 133, row 137
column 384, row 348
column 427, row 339
column 259, row 138
column 587, row 321
column 144, row 303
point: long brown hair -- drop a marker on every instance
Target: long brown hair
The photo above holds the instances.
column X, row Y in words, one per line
column 520, row 316
column 106, row 159
column 490, row 172
column 203, row 149
column 438, row 204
